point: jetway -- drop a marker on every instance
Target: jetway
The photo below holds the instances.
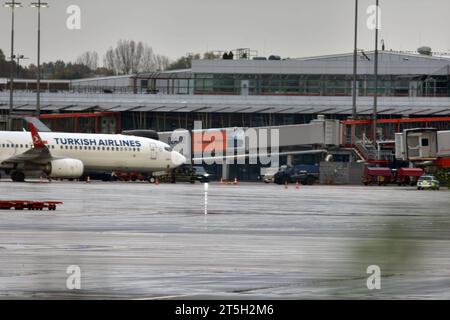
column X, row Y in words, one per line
column 240, row 145
column 443, row 138
column 422, row 144
column 319, row 133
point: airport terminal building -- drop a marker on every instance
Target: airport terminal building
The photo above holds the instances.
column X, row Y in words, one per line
column 258, row 92
column 249, row 93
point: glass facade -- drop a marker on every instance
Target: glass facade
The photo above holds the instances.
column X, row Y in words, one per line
column 169, row 121
column 321, row 85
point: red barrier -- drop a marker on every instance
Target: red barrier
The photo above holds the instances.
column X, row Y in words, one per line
column 28, row 205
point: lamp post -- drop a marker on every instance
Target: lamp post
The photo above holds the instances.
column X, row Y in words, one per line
column 38, row 5
column 19, row 57
column 355, row 63
column 375, row 97
column 12, row 5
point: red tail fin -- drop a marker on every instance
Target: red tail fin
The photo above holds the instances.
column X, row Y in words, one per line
column 37, row 141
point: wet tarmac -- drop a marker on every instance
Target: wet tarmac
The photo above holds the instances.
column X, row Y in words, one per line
column 142, row 241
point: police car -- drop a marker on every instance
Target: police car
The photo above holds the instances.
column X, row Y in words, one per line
column 428, row 182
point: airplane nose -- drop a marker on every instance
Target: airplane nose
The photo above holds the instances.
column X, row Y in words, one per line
column 177, row 159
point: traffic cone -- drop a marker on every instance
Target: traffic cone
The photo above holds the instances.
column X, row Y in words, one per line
column 221, row 181
column 297, row 186
column 235, row 181
column 88, row 179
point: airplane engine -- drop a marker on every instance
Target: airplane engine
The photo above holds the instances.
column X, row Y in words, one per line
column 64, row 168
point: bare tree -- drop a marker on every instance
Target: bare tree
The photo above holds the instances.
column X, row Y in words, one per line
column 130, row 57
column 109, row 61
column 162, row 62
column 88, row 59
column 148, row 63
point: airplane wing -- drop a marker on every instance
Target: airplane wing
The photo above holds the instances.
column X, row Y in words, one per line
column 38, row 154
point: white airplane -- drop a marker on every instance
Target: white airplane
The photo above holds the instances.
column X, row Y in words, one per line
column 70, row 155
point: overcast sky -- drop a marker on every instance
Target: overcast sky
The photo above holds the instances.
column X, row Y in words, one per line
column 290, row 28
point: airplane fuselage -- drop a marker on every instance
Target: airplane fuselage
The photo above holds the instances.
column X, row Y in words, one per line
column 97, row 152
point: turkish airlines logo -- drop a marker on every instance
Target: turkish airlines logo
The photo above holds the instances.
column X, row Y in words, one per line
column 36, row 140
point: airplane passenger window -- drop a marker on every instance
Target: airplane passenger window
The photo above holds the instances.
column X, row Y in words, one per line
column 62, row 147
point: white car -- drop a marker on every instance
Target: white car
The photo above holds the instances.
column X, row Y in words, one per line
column 268, row 174
column 428, row 182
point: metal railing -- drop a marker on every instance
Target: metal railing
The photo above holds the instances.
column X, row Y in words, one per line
column 365, row 148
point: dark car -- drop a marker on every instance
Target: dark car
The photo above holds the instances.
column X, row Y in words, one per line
column 188, row 173
column 304, row 174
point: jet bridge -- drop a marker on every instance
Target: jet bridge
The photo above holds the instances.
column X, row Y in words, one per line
column 235, row 144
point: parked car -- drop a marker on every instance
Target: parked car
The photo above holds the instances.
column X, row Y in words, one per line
column 187, row 173
column 304, row 174
column 428, row 182
column 268, row 174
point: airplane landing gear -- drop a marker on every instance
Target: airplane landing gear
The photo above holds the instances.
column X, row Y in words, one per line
column 18, row 176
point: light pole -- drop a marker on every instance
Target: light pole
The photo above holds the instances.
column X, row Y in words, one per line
column 38, row 5
column 19, row 57
column 12, row 5
column 355, row 63
column 375, row 97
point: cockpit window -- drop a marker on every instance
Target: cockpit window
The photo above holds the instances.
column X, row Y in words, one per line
column 168, row 149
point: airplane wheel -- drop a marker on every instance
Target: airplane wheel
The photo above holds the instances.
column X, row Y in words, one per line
column 18, row 176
